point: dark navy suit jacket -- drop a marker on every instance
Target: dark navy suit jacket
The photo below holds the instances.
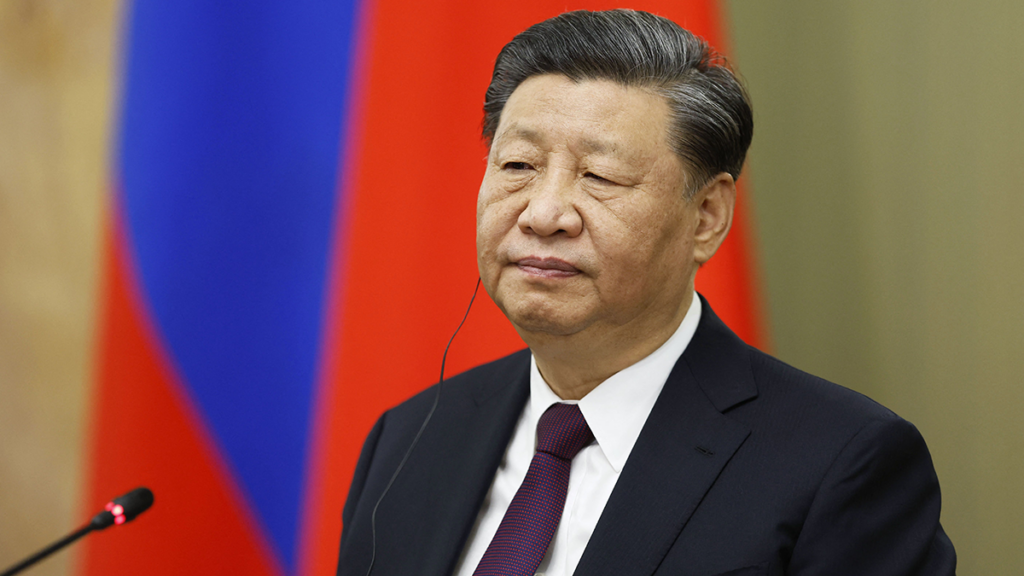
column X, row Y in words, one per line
column 746, row 466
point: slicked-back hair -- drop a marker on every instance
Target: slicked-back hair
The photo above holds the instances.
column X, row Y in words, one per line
column 711, row 119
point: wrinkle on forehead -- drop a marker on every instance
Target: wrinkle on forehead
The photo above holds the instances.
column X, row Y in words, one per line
column 622, row 131
column 516, row 131
column 561, row 106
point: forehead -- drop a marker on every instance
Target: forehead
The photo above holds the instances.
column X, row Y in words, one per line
column 596, row 116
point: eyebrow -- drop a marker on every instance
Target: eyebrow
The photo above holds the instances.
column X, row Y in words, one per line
column 599, row 146
column 516, row 131
column 531, row 135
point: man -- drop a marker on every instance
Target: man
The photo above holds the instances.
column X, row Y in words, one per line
column 637, row 435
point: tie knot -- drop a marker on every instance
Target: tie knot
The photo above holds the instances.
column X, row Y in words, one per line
column 562, row 431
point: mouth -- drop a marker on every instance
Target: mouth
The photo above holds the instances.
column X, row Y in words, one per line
column 546, row 267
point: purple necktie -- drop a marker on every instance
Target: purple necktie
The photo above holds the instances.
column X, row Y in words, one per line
column 529, row 524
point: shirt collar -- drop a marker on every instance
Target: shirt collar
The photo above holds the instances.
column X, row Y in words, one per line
column 618, row 408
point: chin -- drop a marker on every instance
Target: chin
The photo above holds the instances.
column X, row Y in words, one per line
column 540, row 311
column 537, row 320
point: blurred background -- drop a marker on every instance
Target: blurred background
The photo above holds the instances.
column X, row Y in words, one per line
column 886, row 250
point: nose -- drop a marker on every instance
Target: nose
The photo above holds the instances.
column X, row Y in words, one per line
column 550, row 207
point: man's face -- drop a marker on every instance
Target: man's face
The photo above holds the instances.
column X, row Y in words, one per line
column 582, row 221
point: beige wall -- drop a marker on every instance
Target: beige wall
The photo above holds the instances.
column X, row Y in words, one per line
column 56, row 63
column 888, row 174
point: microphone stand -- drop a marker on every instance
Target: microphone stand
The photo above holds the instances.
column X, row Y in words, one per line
column 50, row 549
column 118, row 511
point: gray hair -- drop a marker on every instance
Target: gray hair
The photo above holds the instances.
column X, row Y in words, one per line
column 712, row 122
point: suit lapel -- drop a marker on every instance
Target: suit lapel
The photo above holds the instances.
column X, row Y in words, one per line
column 680, row 452
column 449, row 473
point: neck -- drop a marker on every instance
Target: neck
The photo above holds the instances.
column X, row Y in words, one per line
column 573, row 365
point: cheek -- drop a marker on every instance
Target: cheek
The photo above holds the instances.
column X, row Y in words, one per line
column 496, row 215
column 640, row 253
column 488, row 229
column 494, row 220
column 485, row 222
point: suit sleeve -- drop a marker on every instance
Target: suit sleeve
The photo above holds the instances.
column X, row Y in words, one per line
column 355, row 491
column 877, row 510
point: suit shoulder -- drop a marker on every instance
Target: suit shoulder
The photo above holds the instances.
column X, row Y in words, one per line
column 812, row 398
column 477, row 382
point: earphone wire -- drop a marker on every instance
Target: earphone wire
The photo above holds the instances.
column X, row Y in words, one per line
column 416, row 439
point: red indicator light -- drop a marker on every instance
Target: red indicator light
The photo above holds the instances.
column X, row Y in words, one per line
column 119, row 520
column 109, row 506
column 117, row 510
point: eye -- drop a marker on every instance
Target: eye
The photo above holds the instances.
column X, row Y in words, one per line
column 596, row 178
column 516, row 166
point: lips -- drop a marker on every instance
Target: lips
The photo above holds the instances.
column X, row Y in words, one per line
column 547, row 267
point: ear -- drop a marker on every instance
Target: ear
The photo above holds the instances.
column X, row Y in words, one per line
column 715, row 203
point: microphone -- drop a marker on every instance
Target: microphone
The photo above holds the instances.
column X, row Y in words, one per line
column 118, row 511
column 123, row 508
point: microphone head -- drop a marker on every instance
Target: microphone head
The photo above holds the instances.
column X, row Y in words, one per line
column 124, row 508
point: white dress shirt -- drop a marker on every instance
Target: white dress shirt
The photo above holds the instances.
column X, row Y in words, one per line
column 616, row 411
